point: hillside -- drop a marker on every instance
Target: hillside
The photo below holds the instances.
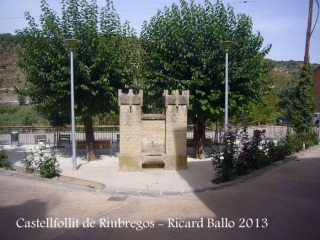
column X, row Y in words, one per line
column 11, row 76
column 290, row 67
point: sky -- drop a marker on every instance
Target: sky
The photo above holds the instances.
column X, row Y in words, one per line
column 282, row 23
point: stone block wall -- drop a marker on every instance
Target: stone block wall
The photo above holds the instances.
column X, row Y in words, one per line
column 176, row 129
column 130, row 130
column 153, row 139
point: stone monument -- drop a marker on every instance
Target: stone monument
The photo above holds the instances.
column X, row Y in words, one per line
column 153, row 140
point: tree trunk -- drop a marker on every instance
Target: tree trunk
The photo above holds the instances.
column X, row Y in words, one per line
column 199, row 135
column 88, row 127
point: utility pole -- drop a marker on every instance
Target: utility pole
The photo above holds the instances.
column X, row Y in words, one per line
column 306, row 53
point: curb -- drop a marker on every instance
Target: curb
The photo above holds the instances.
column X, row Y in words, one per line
column 138, row 193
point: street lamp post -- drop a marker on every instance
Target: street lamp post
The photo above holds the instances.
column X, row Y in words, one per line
column 226, row 45
column 72, row 43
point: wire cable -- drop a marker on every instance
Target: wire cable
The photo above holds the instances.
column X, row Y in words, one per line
column 315, row 23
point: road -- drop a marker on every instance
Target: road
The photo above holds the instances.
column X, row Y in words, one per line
column 282, row 203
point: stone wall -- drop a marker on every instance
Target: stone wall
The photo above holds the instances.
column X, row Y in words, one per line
column 153, row 138
column 130, row 130
column 176, row 129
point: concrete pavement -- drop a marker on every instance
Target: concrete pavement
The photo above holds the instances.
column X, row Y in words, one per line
column 148, row 182
column 281, row 203
column 197, row 178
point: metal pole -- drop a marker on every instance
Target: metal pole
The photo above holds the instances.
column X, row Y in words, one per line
column 74, row 154
column 226, row 97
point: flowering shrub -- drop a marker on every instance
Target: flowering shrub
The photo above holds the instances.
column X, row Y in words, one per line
column 46, row 165
column 255, row 151
column 224, row 163
column 241, row 154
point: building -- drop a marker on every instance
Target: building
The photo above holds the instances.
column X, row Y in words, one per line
column 316, row 88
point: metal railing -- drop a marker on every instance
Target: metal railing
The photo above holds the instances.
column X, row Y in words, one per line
column 26, row 134
column 109, row 132
column 272, row 132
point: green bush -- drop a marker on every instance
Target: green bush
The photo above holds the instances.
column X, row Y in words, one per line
column 276, row 151
column 15, row 115
column 4, row 163
column 255, row 153
column 46, row 165
column 292, row 143
column 28, row 163
column 224, row 163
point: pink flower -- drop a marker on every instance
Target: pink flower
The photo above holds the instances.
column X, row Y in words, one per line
column 243, row 154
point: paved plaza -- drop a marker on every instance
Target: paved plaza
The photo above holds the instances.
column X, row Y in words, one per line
column 281, row 202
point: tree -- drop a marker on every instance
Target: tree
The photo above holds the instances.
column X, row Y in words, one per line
column 102, row 62
column 302, row 101
column 182, row 46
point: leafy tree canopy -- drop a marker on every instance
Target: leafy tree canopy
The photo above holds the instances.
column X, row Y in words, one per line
column 182, row 46
column 102, row 61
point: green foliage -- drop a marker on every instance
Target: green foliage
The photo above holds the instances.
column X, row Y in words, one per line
column 28, row 163
column 15, row 115
column 224, row 164
column 302, row 104
column 270, row 108
column 298, row 101
column 8, row 42
column 4, row 163
column 102, row 62
column 277, row 151
column 282, row 84
column 7, row 38
column 46, row 165
column 239, row 158
column 106, row 119
column 255, row 152
column 182, row 46
column 250, row 154
column 292, row 143
column 182, row 51
column 22, row 100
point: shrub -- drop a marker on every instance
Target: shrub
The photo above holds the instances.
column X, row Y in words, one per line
column 255, row 153
column 46, row 165
column 293, row 142
column 16, row 115
column 224, row 163
column 276, row 152
column 28, row 163
column 4, row 163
